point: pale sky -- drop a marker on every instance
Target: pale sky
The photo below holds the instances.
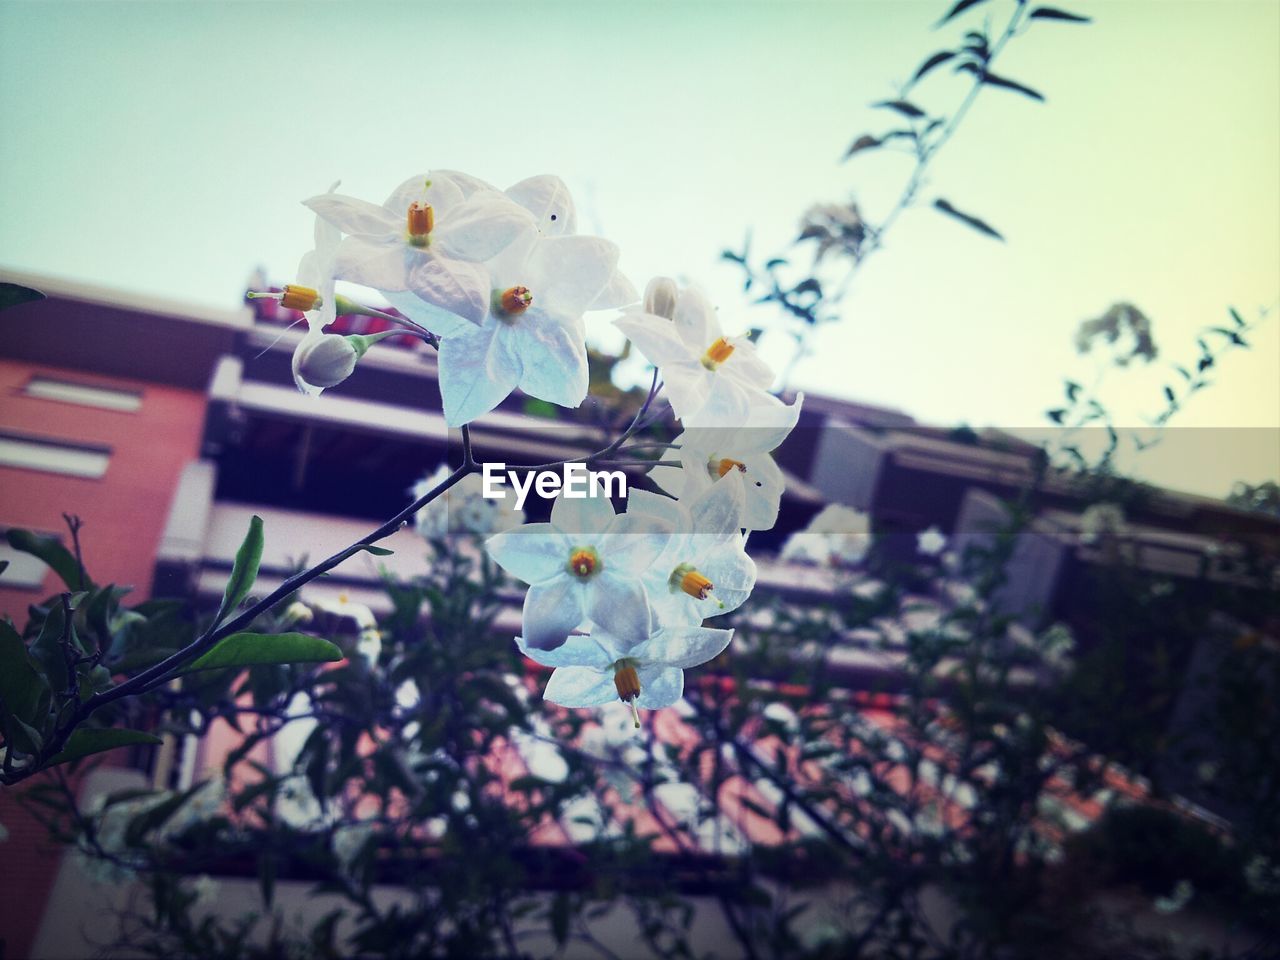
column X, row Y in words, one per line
column 163, row 148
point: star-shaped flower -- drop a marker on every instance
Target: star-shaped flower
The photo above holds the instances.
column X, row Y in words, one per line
column 708, row 453
column 704, row 571
column 590, row 671
column 710, row 379
column 424, row 249
column 533, row 336
column 838, row 536
column 587, row 563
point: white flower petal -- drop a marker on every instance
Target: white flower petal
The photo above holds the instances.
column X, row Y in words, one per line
column 618, row 292
column 554, row 356
column 568, row 273
column 302, row 349
column 552, row 609
column 696, row 322
column 764, row 487
column 359, row 218
column 577, row 651
column 533, row 553
column 378, row 265
column 685, row 648
column 476, row 374
column 453, row 285
column 586, row 517
column 441, row 322
column 636, row 540
column 466, row 185
column 655, row 337
column 480, row 229
column 548, row 199
column 620, row 607
column 580, row 687
column 745, row 364
column 720, row 509
column 660, row 687
column 443, row 195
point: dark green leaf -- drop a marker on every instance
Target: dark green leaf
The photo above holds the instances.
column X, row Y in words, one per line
column 993, row 80
column 1050, row 13
column 256, row 649
column 1073, row 390
column 560, row 918
column 1168, row 393
column 958, row 9
column 52, row 552
column 1055, row 415
column 13, row 294
column 909, row 110
column 937, row 60
column 83, row 743
column 1235, row 315
column 245, row 570
column 864, row 142
column 980, row 225
column 21, row 684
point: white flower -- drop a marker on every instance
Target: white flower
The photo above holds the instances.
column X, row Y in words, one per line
column 462, row 508
column 586, row 563
column 708, row 453
column 1101, row 520
column 206, row 890
column 1182, row 893
column 533, row 336
column 590, row 671
column 931, row 542
column 704, row 571
column 424, row 249
column 710, row 380
column 369, row 642
column 349, row 841
column 838, row 537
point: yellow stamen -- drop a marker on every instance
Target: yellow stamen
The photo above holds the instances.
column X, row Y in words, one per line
column 627, row 682
column 301, row 298
column 725, row 465
column 696, row 585
column 583, row 562
column 717, row 353
column 514, row 301
column 422, row 221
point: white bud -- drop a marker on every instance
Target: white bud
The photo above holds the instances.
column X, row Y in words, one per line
column 660, row 297
column 323, row 360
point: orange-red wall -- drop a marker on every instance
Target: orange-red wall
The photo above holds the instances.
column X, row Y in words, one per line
column 124, row 513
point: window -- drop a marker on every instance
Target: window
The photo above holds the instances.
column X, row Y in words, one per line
column 52, row 456
column 87, row 395
column 24, row 571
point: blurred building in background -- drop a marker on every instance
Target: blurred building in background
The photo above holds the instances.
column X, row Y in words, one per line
column 165, row 427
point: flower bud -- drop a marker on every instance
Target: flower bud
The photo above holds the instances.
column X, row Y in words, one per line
column 660, row 297
column 324, row 361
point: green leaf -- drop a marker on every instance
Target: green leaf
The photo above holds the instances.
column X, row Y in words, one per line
column 1051, row 13
column 4, row 565
column 51, row 551
column 1235, row 315
column 937, row 60
column 909, row 110
column 13, row 294
column 958, row 9
column 21, row 683
column 245, row 570
column 83, row 743
column 864, row 142
column 1007, row 84
column 980, row 225
column 560, row 918
column 257, row 649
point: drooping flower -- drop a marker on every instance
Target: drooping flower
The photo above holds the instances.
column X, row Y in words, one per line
column 323, row 360
column 704, row 571
column 590, row 671
column 587, row 563
column 710, row 379
column 424, row 249
column 708, row 453
column 533, row 336
column 462, row 508
column 838, row 536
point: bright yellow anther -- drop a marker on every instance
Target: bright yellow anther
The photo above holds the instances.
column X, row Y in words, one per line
column 300, row 298
column 583, row 562
column 515, row 300
column 422, row 221
column 696, row 585
column 717, row 353
column 725, row 465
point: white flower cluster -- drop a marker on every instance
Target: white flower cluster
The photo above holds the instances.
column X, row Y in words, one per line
column 501, row 280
